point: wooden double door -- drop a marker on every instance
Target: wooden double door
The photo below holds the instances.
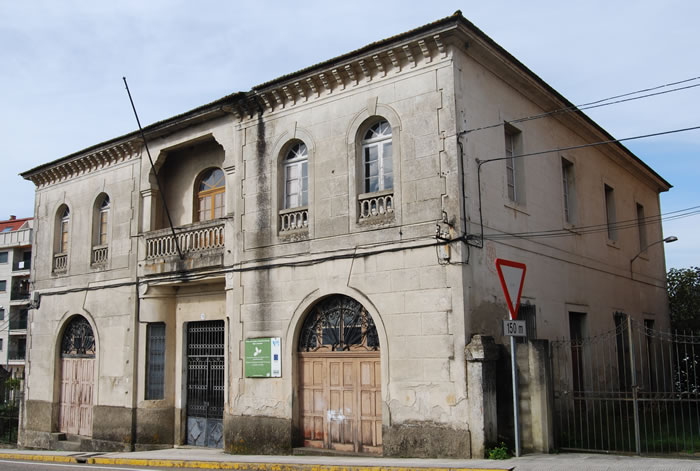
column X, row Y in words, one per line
column 340, row 401
column 77, row 384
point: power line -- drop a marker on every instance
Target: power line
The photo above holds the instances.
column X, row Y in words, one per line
column 592, row 144
column 596, row 228
column 596, row 104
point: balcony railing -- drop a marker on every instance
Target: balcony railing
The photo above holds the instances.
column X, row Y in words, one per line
column 99, row 254
column 198, row 238
column 18, row 324
column 376, row 206
column 16, row 355
column 60, row 262
column 19, row 293
column 294, row 219
column 22, row 265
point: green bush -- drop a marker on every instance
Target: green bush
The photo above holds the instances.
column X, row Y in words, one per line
column 499, row 452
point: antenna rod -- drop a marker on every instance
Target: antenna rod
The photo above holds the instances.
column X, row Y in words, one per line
column 153, row 168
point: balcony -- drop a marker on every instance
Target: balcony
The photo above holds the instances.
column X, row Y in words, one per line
column 22, row 265
column 60, row 263
column 294, row 220
column 376, row 207
column 16, row 355
column 201, row 244
column 99, row 256
column 20, row 293
column 19, row 323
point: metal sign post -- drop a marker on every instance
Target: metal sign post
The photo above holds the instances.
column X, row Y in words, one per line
column 512, row 276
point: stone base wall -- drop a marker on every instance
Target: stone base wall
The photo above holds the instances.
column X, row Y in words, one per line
column 250, row 435
column 425, row 440
column 155, row 428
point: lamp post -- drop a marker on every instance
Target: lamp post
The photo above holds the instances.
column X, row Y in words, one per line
column 667, row 240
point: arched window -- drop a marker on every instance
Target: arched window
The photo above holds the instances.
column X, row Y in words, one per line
column 296, row 177
column 102, row 221
column 100, row 239
column 210, row 195
column 61, row 239
column 338, row 323
column 377, row 162
column 63, row 231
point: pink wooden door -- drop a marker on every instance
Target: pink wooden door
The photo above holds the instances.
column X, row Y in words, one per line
column 77, row 383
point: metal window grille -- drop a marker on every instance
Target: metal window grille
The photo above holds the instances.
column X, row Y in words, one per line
column 155, row 368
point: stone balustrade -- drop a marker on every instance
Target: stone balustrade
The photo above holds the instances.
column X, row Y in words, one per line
column 60, row 262
column 294, row 219
column 374, row 206
column 99, row 254
column 196, row 238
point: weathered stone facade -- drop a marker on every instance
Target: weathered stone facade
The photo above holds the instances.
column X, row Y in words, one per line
column 262, row 266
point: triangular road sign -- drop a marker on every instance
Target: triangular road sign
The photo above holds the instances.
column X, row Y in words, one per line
column 512, row 275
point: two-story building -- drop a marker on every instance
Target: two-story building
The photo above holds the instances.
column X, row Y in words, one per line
column 341, row 222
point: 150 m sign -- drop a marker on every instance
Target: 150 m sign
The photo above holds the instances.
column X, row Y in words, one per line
column 262, row 358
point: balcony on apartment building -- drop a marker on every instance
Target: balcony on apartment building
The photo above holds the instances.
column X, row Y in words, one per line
column 201, row 244
column 17, row 350
column 18, row 322
column 22, row 265
column 20, row 291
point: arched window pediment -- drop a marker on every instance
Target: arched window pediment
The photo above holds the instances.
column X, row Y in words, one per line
column 338, row 323
column 78, row 339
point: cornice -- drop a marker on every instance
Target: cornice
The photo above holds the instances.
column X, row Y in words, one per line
column 84, row 164
column 344, row 76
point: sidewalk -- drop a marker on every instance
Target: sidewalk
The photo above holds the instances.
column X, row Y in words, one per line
column 204, row 458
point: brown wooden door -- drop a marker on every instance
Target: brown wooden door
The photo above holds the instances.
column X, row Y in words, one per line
column 340, row 401
column 77, row 383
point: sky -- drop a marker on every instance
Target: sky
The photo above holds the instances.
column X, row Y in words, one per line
column 62, row 63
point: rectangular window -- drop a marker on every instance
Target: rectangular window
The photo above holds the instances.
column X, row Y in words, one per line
column 567, row 173
column 610, row 212
column 155, row 360
column 577, row 328
column 103, row 227
column 1, row 344
column 3, row 257
column 2, row 314
column 510, row 165
column 623, row 351
column 641, row 228
column 528, row 313
column 3, row 285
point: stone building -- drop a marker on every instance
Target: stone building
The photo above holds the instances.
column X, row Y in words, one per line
column 331, row 256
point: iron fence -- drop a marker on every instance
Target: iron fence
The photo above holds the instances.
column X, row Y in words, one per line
column 633, row 389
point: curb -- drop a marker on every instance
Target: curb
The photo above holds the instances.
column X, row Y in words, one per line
column 240, row 466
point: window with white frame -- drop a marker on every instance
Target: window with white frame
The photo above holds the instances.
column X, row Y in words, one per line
column 377, row 160
column 512, row 141
column 102, row 221
column 296, row 177
column 569, row 185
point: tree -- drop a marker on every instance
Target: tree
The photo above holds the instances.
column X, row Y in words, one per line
column 684, row 298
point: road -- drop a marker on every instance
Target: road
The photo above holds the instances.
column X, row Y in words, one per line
column 16, row 465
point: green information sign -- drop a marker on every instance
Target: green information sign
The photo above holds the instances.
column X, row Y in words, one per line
column 262, row 358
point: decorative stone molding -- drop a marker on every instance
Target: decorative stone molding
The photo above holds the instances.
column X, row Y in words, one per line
column 87, row 163
column 375, row 65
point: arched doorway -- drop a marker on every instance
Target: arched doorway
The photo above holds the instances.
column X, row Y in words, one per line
column 77, row 377
column 340, row 377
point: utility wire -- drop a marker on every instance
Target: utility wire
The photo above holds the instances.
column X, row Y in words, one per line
column 627, row 224
column 592, row 144
column 596, row 104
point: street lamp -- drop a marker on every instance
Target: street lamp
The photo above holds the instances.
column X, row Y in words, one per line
column 667, row 240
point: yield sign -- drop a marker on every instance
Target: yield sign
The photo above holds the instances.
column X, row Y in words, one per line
column 512, row 275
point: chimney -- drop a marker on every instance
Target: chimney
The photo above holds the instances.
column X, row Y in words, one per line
column 12, row 217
